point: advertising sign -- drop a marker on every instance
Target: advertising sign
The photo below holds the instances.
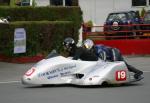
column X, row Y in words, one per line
column 19, row 40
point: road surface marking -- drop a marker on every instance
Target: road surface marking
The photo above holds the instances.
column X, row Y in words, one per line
column 7, row 82
column 146, row 71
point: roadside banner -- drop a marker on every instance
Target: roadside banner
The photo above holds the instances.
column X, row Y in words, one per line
column 19, row 40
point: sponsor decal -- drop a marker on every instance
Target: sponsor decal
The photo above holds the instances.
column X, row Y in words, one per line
column 30, row 72
column 56, row 72
column 121, row 75
column 65, row 73
column 50, row 77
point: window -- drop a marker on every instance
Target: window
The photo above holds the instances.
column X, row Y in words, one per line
column 121, row 16
column 139, row 2
column 61, row 2
column 25, row 2
column 56, row 2
column 68, row 2
column 4, row 1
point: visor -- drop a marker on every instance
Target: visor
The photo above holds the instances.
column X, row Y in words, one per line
column 86, row 46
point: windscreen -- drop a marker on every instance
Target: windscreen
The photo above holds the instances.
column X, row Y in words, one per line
column 52, row 54
column 120, row 16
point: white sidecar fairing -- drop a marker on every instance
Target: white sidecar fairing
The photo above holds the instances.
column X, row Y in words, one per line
column 61, row 70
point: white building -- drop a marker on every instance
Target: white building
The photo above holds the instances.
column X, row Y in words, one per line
column 97, row 10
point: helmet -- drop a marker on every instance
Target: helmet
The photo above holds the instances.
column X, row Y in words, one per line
column 88, row 44
column 8, row 18
column 69, row 43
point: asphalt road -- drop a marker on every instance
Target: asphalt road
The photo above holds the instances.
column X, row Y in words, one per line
column 12, row 91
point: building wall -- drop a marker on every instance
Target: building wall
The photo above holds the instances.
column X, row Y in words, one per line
column 97, row 10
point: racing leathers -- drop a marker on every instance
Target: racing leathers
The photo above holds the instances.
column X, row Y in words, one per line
column 113, row 54
column 84, row 54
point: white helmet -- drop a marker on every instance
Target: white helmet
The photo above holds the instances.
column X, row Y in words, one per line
column 88, row 44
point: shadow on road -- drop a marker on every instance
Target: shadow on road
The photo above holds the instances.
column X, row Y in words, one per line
column 88, row 87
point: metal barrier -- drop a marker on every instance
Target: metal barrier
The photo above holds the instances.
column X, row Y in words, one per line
column 131, row 31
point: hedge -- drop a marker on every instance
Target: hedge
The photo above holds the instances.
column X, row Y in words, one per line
column 42, row 36
column 42, row 13
column 46, row 27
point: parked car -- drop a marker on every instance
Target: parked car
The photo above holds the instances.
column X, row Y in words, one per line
column 146, row 20
column 121, row 21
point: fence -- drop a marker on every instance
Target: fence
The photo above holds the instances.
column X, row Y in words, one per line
column 130, row 39
column 126, row 31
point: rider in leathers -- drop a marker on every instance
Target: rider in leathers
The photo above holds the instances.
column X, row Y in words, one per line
column 78, row 52
column 89, row 52
column 107, row 53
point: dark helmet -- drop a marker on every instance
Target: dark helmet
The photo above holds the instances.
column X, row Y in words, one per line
column 69, row 43
column 8, row 18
